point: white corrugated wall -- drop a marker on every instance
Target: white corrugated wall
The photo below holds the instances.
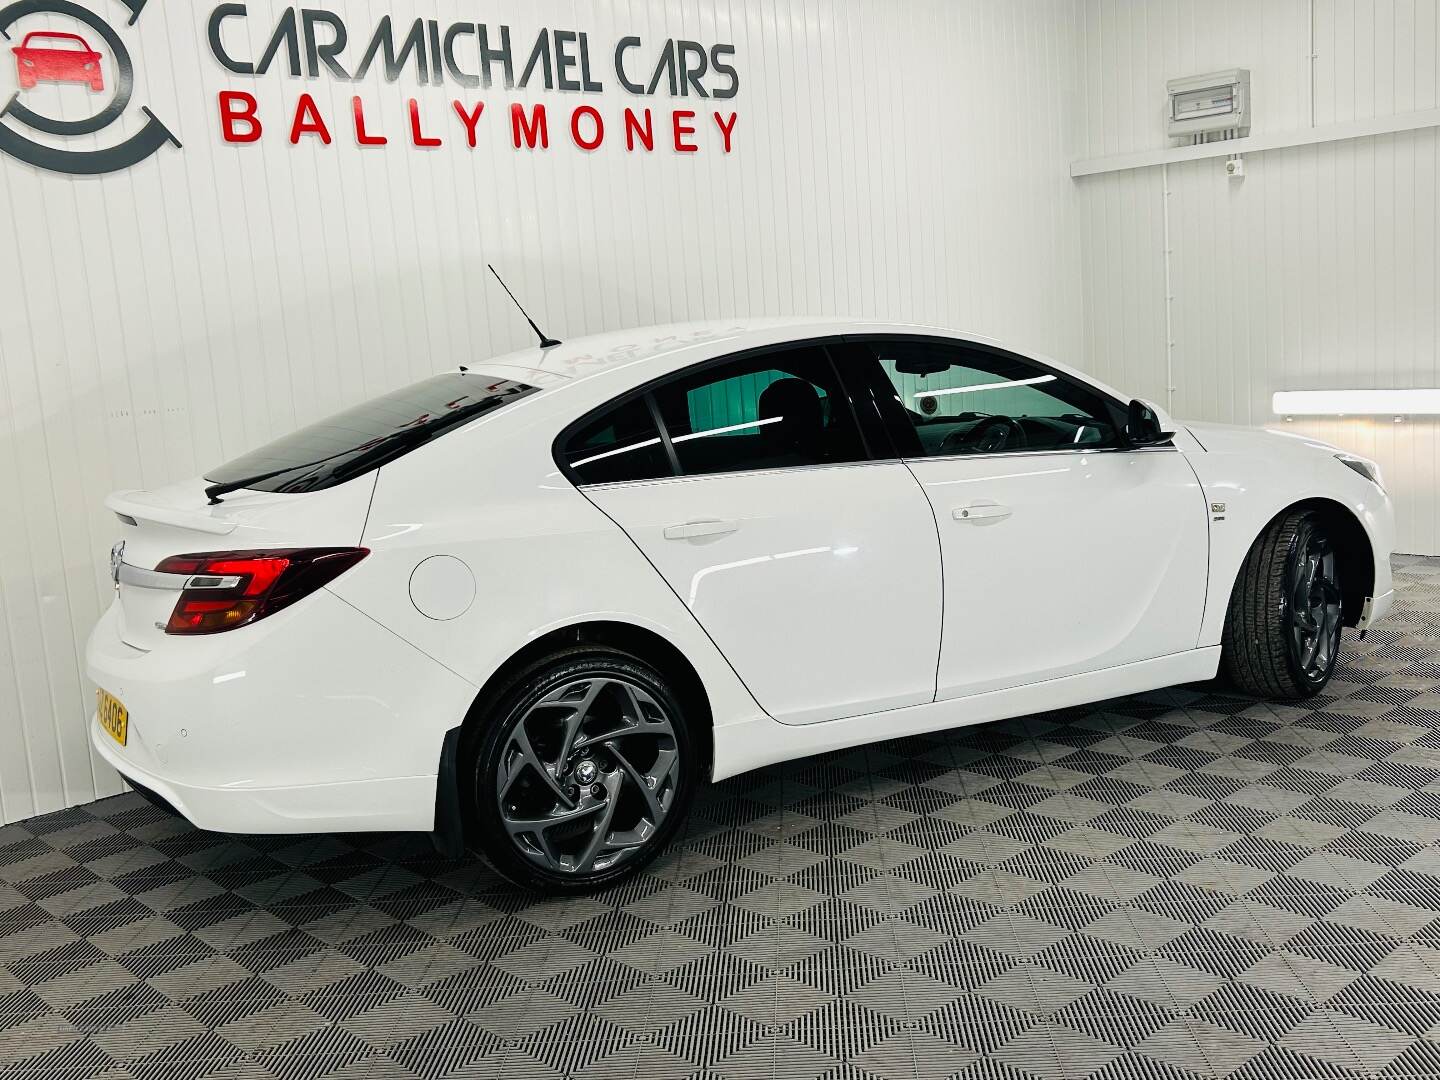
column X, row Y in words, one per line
column 1319, row 268
column 899, row 159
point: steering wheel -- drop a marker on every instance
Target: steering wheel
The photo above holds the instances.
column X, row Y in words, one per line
column 989, row 436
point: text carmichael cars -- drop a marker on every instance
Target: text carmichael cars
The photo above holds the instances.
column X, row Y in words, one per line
column 531, row 604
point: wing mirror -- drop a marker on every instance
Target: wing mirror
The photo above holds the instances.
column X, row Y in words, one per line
column 1143, row 427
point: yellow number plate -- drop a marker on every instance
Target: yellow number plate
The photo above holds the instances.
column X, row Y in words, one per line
column 114, row 717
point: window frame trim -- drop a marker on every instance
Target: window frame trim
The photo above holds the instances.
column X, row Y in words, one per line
column 647, row 390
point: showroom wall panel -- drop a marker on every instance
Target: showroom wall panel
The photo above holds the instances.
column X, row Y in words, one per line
column 1318, row 269
column 906, row 160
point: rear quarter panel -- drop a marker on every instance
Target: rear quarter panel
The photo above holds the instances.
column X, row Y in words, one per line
column 541, row 555
column 1257, row 474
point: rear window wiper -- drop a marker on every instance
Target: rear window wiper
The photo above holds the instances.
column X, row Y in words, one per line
column 396, row 440
column 214, row 491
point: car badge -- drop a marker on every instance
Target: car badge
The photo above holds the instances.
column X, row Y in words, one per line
column 117, row 559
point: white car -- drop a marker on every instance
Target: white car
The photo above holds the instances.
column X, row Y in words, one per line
column 532, row 604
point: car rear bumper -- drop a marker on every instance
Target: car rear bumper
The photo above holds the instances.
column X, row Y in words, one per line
column 403, row 804
column 315, row 720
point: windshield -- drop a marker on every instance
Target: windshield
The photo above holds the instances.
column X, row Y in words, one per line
column 358, row 440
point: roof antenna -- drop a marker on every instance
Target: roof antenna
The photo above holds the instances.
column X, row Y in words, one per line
column 545, row 342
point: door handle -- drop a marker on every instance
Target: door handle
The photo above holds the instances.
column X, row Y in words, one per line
column 693, row 530
column 981, row 513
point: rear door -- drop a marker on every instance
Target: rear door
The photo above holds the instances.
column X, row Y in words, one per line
column 1064, row 550
column 748, row 485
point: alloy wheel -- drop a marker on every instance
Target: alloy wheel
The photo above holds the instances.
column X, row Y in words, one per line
column 587, row 775
column 1314, row 601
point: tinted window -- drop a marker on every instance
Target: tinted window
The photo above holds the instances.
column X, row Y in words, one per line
column 968, row 401
column 622, row 444
column 365, row 437
column 774, row 411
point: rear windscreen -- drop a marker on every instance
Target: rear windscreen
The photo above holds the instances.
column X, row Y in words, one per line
column 365, row 437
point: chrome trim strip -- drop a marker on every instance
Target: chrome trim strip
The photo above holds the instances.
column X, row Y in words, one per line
column 1066, row 452
column 1058, row 452
column 865, row 463
column 213, row 581
column 140, row 578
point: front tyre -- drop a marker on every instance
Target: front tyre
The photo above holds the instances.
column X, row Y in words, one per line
column 582, row 773
column 1282, row 629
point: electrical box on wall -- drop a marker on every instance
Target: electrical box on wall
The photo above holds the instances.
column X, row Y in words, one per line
column 1204, row 104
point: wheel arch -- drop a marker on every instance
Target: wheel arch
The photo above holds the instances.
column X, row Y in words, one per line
column 1352, row 545
column 632, row 638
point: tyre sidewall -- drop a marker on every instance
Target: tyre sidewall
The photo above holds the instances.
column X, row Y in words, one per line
column 487, row 833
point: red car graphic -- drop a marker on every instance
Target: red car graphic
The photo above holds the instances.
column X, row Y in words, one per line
column 68, row 59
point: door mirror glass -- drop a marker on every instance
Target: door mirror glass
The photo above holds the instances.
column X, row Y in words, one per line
column 1143, row 427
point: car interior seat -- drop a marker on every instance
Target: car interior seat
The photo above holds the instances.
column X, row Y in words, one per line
column 796, row 432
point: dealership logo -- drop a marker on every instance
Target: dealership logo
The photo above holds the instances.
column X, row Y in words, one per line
column 675, row 94
column 46, row 56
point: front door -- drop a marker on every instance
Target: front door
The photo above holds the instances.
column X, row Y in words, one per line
column 1063, row 551
column 814, row 569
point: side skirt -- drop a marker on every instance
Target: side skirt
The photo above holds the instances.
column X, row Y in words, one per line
column 753, row 743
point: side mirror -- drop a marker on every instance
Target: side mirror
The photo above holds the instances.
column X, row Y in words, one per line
column 1143, row 427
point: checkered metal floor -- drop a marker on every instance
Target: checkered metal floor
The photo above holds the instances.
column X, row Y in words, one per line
column 1179, row 885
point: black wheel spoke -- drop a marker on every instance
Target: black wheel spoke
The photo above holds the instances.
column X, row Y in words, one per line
column 524, row 755
column 650, row 786
column 1313, row 615
column 637, row 720
column 1332, row 629
column 536, row 826
column 600, row 834
column 578, row 710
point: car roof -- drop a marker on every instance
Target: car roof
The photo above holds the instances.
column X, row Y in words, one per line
column 64, row 35
column 592, row 354
column 654, row 351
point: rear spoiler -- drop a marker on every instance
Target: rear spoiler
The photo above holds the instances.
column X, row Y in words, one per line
column 145, row 506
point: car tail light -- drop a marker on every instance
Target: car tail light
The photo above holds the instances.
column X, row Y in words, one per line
column 226, row 589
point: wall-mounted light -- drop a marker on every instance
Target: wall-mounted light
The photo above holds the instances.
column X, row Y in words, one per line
column 1396, row 403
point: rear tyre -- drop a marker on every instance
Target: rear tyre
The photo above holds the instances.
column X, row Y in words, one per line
column 581, row 774
column 1282, row 629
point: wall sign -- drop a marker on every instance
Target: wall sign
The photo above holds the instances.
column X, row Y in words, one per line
column 644, row 96
column 317, row 44
column 60, row 56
